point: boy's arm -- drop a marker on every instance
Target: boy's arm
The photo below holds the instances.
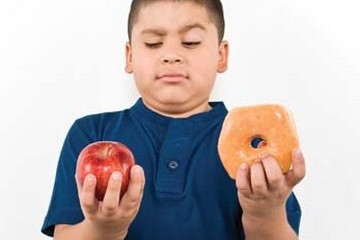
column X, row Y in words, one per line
column 109, row 219
column 263, row 191
column 82, row 230
column 274, row 228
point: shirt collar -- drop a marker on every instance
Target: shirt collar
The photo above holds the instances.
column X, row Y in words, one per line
column 144, row 113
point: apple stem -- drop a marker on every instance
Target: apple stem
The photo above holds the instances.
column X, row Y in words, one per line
column 109, row 151
column 106, row 152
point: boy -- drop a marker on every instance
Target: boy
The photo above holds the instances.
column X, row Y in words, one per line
column 175, row 50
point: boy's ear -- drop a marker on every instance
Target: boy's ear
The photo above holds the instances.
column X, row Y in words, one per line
column 128, row 56
column 223, row 57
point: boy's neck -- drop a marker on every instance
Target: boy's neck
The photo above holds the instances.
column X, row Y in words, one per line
column 176, row 111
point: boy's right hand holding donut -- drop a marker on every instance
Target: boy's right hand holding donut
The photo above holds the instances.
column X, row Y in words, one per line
column 111, row 218
column 259, row 148
column 263, row 191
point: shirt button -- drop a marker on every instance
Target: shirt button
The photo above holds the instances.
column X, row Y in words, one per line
column 173, row 165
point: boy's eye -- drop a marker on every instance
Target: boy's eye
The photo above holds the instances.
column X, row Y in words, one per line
column 191, row 44
column 153, row 45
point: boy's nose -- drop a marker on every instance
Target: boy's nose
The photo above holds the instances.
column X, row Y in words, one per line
column 171, row 59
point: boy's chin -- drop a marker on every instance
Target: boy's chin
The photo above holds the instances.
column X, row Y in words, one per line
column 175, row 106
column 172, row 99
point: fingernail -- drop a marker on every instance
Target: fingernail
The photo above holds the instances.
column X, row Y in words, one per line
column 116, row 176
column 298, row 152
column 243, row 166
column 90, row 179
column 136, row 170
column 266, row 157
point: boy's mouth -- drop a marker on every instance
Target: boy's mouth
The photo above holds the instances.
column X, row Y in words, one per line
column 172, row 77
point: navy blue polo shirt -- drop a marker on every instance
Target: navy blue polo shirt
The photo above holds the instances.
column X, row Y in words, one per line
column 187, row 195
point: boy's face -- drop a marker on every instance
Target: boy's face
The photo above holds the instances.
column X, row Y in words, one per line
column 174, row 56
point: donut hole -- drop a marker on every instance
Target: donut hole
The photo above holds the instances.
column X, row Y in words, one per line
column 258, row 142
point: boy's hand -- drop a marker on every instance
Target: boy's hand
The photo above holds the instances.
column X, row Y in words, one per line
column 263, row 189
column 113, row 216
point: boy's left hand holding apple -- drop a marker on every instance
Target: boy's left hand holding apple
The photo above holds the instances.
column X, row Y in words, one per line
column 263, row 191
column 110, row 218
column 113, row 216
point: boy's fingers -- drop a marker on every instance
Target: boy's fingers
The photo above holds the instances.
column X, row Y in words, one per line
column 112, row 194
column 274, row 176
column 298, row 171
column 78, row 185
column 132, row 198
column 257, row 178
column 87, row 194
column 243, row 180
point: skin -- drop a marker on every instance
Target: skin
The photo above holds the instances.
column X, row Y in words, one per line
column 111, row 218
column 174, row 58
column 181, row 40
column 262, row 192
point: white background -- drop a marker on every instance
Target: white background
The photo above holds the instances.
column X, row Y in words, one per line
column 60, row 60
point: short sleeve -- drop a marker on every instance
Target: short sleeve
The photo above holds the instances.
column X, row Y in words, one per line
column 293, row 211
column 64, row 205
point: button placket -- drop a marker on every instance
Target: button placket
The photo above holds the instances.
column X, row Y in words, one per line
column 173, row 165
column 173, row 159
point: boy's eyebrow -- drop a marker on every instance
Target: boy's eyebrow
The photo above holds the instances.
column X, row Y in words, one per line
column 189, row 27
column 153, row 31
column 162, row 32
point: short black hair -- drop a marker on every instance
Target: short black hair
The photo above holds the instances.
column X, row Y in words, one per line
column 214, row 8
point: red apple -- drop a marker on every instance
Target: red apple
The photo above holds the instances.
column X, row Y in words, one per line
column 101, row 159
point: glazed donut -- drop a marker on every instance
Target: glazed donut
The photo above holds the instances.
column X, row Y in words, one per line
column 250, row 132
